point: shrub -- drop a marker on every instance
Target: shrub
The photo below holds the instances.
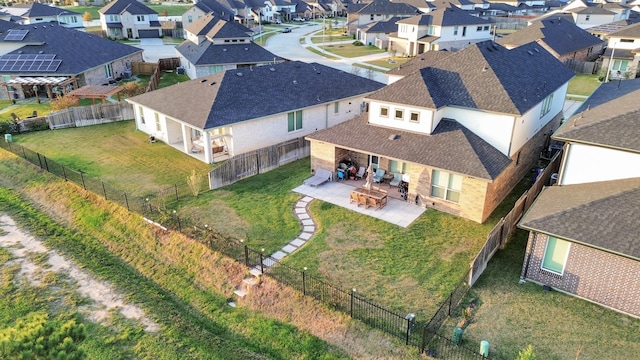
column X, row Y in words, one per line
column 87, row 16
column 62, row 102
column 132, row 88
column 357, row 43
column 527, row 354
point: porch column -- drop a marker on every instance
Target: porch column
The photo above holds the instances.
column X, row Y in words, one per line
column 208, row 151
column 185, row 143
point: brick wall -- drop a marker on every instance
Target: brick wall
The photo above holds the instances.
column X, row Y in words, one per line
column 601, row 277
column 323, row 156
column 97, row 76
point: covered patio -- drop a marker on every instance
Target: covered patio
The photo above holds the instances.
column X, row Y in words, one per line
column 397, row 211
column 29, row 86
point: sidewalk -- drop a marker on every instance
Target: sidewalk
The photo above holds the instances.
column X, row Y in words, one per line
column 361, row 60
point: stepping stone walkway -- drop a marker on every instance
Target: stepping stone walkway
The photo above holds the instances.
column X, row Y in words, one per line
column 308, row 229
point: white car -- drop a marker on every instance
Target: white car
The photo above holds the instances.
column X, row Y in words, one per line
column 298, row 19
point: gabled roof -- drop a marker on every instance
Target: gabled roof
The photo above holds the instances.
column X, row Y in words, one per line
column 6, row 25
column 484, row 76
column 133, row 7
column 66, row 44
column 386, row 26
column 235, row 53
column 629, row 31
column 445, row 16
column 213, row 101
column 215, row 7
column 603, row 215
column 386, row 7
column 563, row 37
column 611, row 27
column 423, row 60
column 615, row 124
column 38, row 9
column 213, row 27
column 450, row 147
column 591, row 10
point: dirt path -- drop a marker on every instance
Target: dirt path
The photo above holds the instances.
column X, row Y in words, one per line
column 105, row 299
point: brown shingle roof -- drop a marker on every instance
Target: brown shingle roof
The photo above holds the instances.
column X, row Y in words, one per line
column 450, row 147
column 603, row 215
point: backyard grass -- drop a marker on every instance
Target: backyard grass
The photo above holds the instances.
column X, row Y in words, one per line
column 583, row 84
column 24, row 109
column 350, row 50
column 559, row 326
column 117, row 154
column 387, row 64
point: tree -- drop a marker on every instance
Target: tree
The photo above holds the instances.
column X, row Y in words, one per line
column 195, row 182
column 164, row 13
column 87, row 16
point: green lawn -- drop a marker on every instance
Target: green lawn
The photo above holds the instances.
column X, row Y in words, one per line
column 318, row 38
column 583, row 84
column 350, row 50
column 23, row 110
column 322, row 53
column 388, row 64
column 512, row 316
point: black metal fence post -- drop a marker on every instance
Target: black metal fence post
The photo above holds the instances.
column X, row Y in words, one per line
column 408, row 329
column 246, row 255
column 64, row 173
column 353, row 292
column 24, row 154
column 40, row 161
column 304, row 285
column 262, row 261
column 176, row 187
column 126, row 201
column 82, row 178
column 104, row 191
column 46, row 164
column 450, row 299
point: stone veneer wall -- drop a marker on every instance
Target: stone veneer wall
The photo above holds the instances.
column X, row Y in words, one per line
column 323, row 156
column 598, row 276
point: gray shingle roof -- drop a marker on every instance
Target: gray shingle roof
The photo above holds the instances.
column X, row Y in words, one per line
column 611, row 27
column 450, row 147
column 386, row 26
column 629, row 31
column 609, row 91
column 214, row 27
column 234, row 53
column 483, row 76
column 387, row 7
column 66, row 44
column 445, row 16
column 215, row 7
column 38, row 9
column 423, row 60
column 603, row 215
column 615, row 124
column 262, row 91
column 591, row 10
column 134, row 7
column 561, row 36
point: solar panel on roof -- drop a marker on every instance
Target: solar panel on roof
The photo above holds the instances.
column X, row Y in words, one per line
column 16, row 35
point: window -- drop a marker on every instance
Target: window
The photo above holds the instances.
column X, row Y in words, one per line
column 371, row 18
column 336, row 107
column 546, row 105
column 455, row 30
column 295, row 120
column 384, row 111
column 486, row 28
column 215, row 69
column 555, row 255
column 446, row 186
column 108, row 71
column 464, row 31
column 626, row 40
column 139, row 17
column 141, row 114
column 158, row 126
column 414, row 117
column 620, row 65
column 399, row 114
column 586, row 18
column 190, row 18
column 479, row 28
column 113, row 18
column 397, row 167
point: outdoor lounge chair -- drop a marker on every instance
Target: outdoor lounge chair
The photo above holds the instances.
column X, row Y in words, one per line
column 397, row 178
column 321, row 176
column 377, row 177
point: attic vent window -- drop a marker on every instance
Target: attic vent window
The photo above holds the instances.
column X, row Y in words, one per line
column 394, row 136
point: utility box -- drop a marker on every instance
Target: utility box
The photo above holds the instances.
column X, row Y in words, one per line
column 8, row 138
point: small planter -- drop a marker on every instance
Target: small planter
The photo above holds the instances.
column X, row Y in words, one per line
column 457, row 335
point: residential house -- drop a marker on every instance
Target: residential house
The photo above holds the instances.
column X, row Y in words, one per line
column 238, row 111
column 588, row 14
column 421, row 61
column 562, row 38
column 622, row 57
column 47, row 58
column 447, row 28
column 377, row 33
column 129, row 19
column 463, row 130
column 215, row 7
column 583, row 232
column 36, row 12
column 378, row 10
column 214, row 45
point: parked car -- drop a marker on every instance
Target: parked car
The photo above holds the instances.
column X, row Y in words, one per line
column 298, row 19
column 286, row 30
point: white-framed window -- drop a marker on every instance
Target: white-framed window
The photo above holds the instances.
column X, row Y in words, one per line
column 620, row 65
column 486, row 28
column 113, row 18
column 336, row 107
column 108, row 71
column 397, row 167
column 158, row 125
column 399, row 114
column 384, row 111
column 626, row 40
column 546, row 105
column 190, row 18
column 294, row 120
column 455, row 30
column 446, row 186
column 140, row 18
column 556, row 252
column 479, row 28
column 215, row 69
column 141, row 114
column 414, row 116
column 374, row 161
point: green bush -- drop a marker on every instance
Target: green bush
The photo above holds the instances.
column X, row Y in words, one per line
column 357, row 43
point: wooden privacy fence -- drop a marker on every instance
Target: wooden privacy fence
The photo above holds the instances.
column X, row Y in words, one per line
column 583, row 67
column 143, row 68
column 499, row 235
column 90, row 115
column 257, row 162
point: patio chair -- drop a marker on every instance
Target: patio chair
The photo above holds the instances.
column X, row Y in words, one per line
column 360, row 173
column 372, row 202
column 353, row 198
column 397, row 178
column 362, row 200
column 377, row 177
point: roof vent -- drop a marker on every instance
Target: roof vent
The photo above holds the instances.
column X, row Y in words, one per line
column 213, row 83
column 203, row 80
column 224, row 49
column 40, row 52
column 272, row 69
column 529, row 52
column 239, row 73
column 246, row 49
column 536, row 50
column 295, row 82
column 394, row 136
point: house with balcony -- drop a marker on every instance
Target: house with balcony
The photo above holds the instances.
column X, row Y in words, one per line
column 462, row 130
column 241, row 110
column 214, row 45
column 447, row 28
column 562, row 38
column 583, row 230
column 129, row 19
